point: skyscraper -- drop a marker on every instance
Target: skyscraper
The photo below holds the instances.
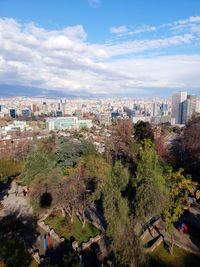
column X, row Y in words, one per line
column 189, row 108
column 177, row 106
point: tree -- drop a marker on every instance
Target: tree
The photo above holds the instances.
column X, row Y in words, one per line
column 120, row 230
column 121, row 138
column 48, row 144
column 68, row 153
column 190, row 143
column 39, row 173
column 69, row 195
column 150, row 189
column 88, row 149
column 143, row 130
column 37, row 163
column 179, row 188
column 121, row 145
column 124, row 242
column 74, row 193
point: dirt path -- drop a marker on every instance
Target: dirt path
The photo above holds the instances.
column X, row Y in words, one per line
column 15, row 203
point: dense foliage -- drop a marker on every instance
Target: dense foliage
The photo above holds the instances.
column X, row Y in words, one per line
column 129, row 184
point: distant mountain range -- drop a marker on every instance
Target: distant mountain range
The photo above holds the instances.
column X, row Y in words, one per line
column 18, row 90
column 27, row 91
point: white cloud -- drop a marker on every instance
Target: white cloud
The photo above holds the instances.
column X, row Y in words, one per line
column 136, row 46
column 119, row 30
column 64, row 59
column 131, row 30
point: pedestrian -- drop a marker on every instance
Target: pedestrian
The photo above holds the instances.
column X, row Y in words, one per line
column 39, row 237
column 49, row 243
column 16, row 190
column 45, row 243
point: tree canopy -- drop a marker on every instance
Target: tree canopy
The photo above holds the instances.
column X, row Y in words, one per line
column 150, row 183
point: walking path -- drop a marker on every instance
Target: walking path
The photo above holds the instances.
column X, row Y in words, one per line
column 15, row 203
column 183, row 240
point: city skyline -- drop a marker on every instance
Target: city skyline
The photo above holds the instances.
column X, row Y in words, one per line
column 98, row 48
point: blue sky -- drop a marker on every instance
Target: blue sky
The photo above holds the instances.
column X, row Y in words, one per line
column 97, row 16
column 137, row 47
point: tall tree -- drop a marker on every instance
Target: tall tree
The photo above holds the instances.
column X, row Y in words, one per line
column 179, row 188
column 190, row 142
column 124, row 242
column 150, row 183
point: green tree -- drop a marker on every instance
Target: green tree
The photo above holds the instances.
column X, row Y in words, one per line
column 179, row 188
column 143, row 130
column 124, row 242
column 150, row 187
column 68, row 153
column 37, row 163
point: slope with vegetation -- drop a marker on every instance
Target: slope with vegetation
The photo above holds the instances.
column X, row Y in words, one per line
column 128, row 185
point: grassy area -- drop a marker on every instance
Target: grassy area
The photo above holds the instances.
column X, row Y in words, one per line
column 33, row 264
column 180, row 258
column 65, row 228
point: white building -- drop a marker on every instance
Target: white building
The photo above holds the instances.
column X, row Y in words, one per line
column 67, row 123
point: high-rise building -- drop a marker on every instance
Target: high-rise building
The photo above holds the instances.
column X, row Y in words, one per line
column 13, row 113
column 189, row 108
column 155, row 109
column 198, row 106
column 177, row 106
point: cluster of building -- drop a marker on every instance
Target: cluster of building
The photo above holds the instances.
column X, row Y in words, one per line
column 67, row 114
column 15, row 126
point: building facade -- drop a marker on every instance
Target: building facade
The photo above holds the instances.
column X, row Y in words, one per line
column 67, row 123
column 177, row 106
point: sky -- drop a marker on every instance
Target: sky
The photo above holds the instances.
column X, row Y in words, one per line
column 118, row 47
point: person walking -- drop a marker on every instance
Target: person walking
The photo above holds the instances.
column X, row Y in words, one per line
column 45, row 243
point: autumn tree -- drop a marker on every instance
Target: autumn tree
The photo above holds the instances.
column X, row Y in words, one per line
column 190, row 143
column 121, row 138
column 70, row 194
column 121, row 144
